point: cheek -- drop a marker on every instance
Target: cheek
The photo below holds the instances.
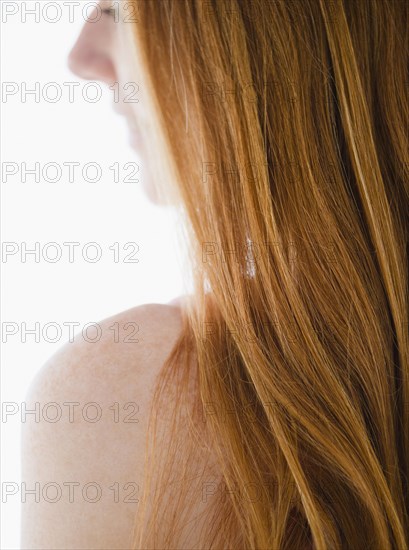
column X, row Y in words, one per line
column 132, row 90
column 136, row 102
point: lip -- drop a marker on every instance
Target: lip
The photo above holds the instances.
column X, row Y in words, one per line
column 133, row 134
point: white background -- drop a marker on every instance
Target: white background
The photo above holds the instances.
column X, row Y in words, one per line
column 104, row 212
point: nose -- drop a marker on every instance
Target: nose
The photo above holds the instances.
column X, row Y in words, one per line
column 92, row 56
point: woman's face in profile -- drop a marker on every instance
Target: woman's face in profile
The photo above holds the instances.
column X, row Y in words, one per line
column 100, row 53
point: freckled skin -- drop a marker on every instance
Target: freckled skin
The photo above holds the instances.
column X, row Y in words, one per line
column 108, row 453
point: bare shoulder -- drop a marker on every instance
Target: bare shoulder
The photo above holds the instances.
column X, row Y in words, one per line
column 83, row 453
column 115, row 347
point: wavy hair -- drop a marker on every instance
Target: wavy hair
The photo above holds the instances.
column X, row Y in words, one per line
column 283, row 133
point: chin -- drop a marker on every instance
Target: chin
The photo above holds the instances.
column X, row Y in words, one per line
column 149, row 178
column 152, row 192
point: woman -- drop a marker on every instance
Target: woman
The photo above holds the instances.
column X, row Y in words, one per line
column 280, row 388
